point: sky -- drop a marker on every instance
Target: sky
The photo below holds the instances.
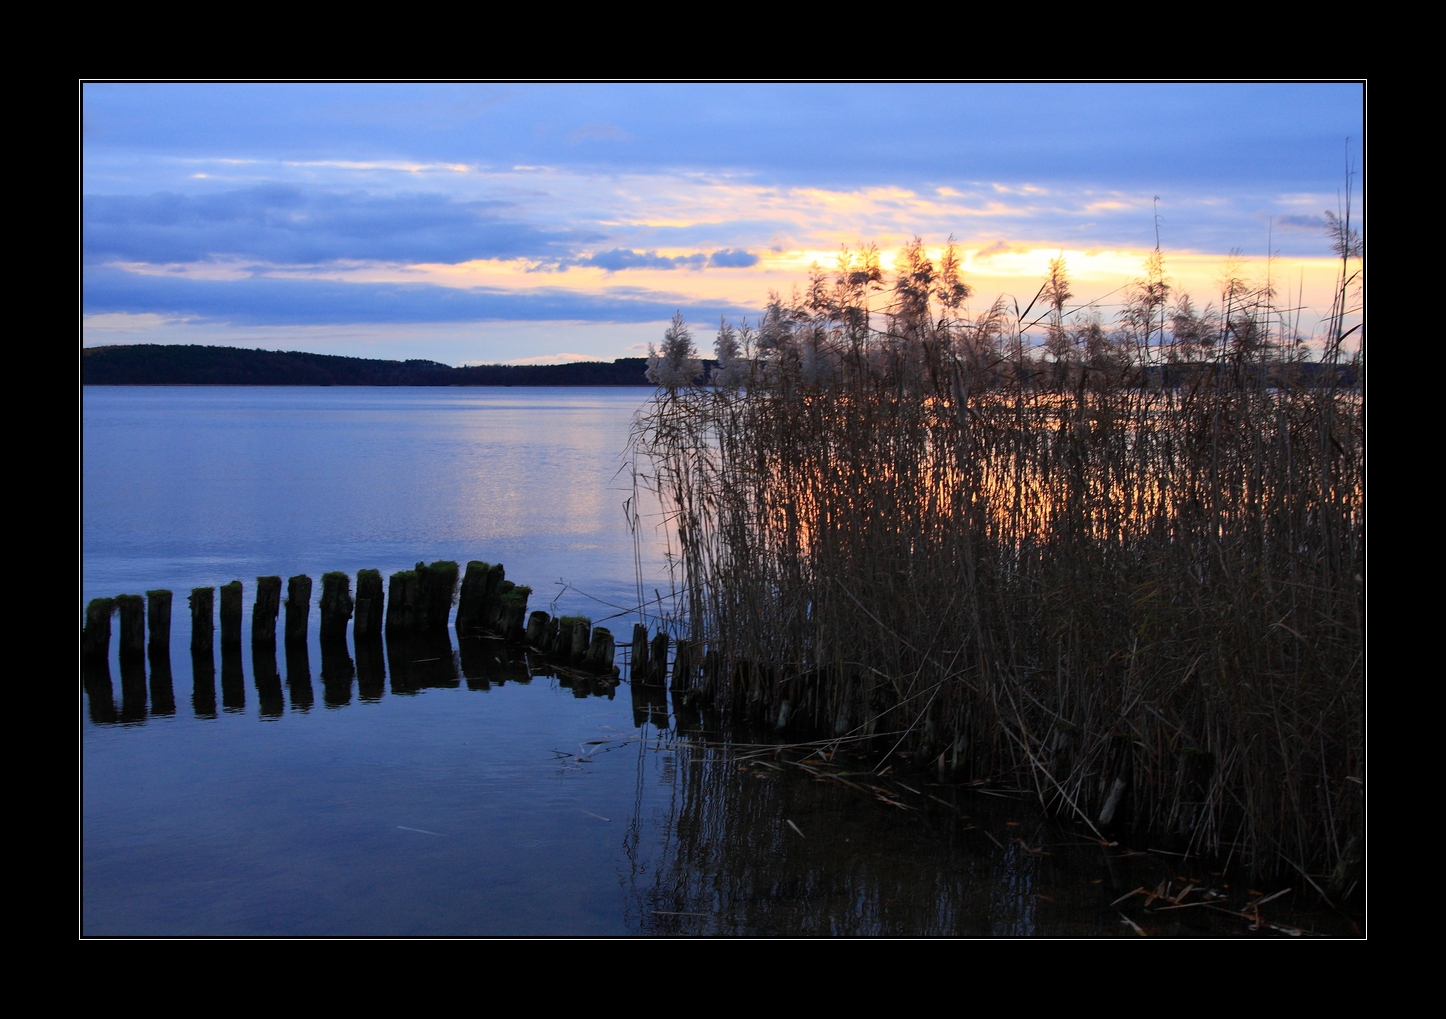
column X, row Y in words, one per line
column 541, row 223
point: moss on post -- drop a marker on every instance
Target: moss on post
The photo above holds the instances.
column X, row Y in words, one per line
column 132, row 626
column 369, row 604
column 231, row 614
column 158, row 618
column 336, row 608
column 402, row 603
column 203, row 619
column 95, row 637
column 298, row 608
column 264, row 612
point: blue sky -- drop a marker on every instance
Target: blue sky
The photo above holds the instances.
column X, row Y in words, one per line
column 485, row 223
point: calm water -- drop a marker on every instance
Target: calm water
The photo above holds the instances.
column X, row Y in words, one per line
column 462, row 789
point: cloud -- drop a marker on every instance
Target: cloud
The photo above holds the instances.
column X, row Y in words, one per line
column 625, row 258
column 563, row 358
column 287, row 224
column 264, row 300
column 1301, row 222
column 730, row 258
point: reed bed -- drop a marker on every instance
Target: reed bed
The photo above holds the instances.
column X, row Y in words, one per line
column 1122, row 567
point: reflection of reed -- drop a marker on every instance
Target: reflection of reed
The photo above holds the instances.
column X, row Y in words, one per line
column 727, row 861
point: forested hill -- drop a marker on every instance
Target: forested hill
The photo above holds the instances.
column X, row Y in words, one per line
column 170, row 365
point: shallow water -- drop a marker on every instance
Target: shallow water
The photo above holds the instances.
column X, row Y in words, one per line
column 464, row 789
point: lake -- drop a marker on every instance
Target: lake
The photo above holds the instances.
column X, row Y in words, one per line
column 474, row 791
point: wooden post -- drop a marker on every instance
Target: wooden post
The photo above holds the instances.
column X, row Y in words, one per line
column 658, row 659
column 436, row 587
column 132, row 625
column 158, row 615
column 581, row 629
column 336, row 607
column 203, row 622
column 298, row 608
column 95, row 638
column 472, row 602
column 537, row 629
column 514, row 610
column 601, row 651
column 401, row 603
column 231, row 615
column 369, row 604
column 264, row 612
column 639, row 666
column 683, row 666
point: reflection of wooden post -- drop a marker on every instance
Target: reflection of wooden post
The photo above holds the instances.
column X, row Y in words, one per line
column 95, row 638
column 264, row 612
column 369, row 604
column 298, row 608
column 158, row 616
column 231, row 614
column 203, row 620
column 336, row 606
column 132, row 625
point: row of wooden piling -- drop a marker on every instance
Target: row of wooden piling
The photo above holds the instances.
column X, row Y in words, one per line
column 417, row 602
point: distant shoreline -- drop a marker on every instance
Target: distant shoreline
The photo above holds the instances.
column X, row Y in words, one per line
column 154, row 364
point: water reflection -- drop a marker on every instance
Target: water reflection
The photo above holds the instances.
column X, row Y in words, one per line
column 163, row 694
column 371, row 669
column 203, row 683
column 337, row 672
column 133, row 688
column 422, row 662
column 268, row 680
column 298, row 676
column 233, row 681
column 95, row 679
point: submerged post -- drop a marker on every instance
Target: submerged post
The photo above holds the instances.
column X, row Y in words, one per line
column 132, row 625
column 203, row 619
column 231, row 614
column 263, row 613
column 95, row 638
column 369, row 605
column 158, row 616
column 298, row 608
column 336, row 607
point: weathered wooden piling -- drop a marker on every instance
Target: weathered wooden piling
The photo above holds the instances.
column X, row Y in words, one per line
column 513, row 610
column 264, row 612
column 158, row 617
column 132, row 608
column 436, row 589
column 683, row 666
column 538, row 630
column 658, row 660
column 638, row 669
column 336, row 608
column 402, row 603
column 231, row 615
column 572, row 637
column 203, row 621
column 601, row 651
column 369, row 604
column 298, row 608
column 479, row 586
column 95, row 637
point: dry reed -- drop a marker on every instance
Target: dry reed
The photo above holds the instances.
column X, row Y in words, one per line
column 1123, row 566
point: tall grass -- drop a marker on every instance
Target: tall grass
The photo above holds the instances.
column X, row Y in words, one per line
column 1123, row 565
